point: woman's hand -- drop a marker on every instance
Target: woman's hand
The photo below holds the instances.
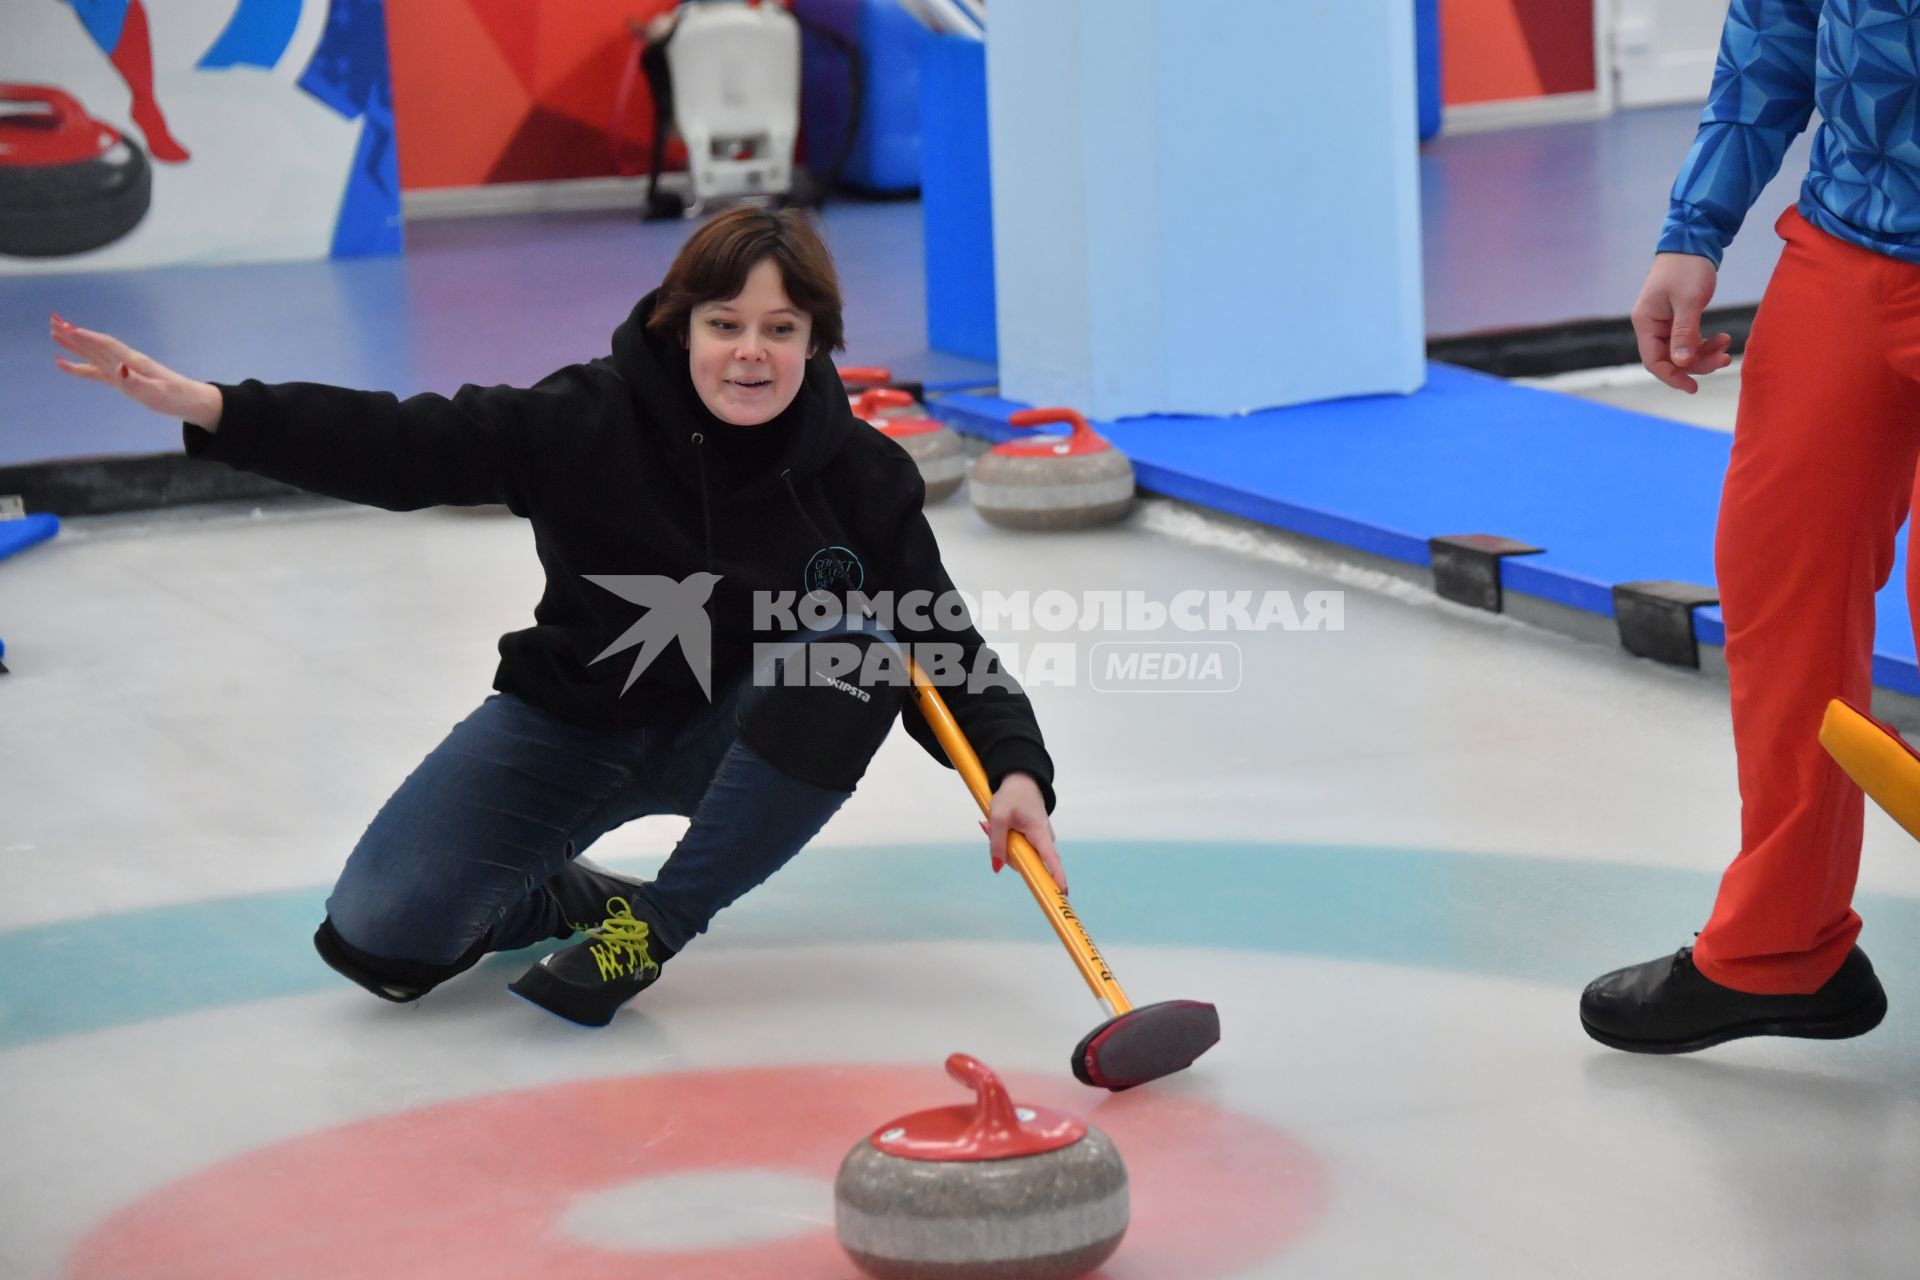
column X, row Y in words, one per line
column 1666, row 321
column 100, row 357
column 1019, row 806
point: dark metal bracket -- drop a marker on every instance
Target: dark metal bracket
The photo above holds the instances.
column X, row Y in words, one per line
column 1466, row 567
column 1656, row 619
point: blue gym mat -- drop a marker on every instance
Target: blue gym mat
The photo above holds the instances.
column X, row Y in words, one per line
column 1612, row 496
column 18, row 535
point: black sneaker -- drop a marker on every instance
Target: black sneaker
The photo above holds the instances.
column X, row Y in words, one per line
column 589, row 981
column 586, row 893
column 1669, row 1006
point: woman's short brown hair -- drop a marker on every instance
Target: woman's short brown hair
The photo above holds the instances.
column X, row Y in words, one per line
column 714, row 264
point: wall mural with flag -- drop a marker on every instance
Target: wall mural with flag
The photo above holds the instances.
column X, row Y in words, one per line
column 138, row 133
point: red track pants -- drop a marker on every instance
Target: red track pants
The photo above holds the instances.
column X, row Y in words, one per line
column 1822, row 474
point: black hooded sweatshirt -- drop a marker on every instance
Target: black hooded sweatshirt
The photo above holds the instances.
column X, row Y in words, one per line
column 622, row 471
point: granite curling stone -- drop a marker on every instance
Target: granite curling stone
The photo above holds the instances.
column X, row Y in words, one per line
column 981, row 1191
column 935, row 449
column 1076, row 481
column 861, row 379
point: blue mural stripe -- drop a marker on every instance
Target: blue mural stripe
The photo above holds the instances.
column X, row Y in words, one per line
column 351, row 59
column 103, row 20
column 1546, row 921
column 349, row 73
column 257, row 35
column 369, row 221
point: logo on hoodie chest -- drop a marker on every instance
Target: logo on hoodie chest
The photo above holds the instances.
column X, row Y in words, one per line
column 834, row 569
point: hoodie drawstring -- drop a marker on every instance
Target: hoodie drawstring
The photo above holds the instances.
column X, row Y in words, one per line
column 786, row 474
column 706, row 501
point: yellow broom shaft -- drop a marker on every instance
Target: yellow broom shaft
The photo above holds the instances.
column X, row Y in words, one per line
column 1025, row 858
column 1876, row 760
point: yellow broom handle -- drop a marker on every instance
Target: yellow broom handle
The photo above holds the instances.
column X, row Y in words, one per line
column 1020, row 852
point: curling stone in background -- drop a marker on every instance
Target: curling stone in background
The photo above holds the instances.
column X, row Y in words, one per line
column 863, row 378
column 68, row 183
column 981, row 1191
column 1055, row 482
column 935, row 449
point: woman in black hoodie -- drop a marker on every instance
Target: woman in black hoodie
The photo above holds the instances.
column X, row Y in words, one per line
column 702, row 501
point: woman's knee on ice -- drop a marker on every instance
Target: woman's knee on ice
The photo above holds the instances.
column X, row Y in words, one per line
column 395, row 947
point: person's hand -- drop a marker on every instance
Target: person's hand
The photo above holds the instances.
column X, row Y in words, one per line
column 100, row 357
column 1666, row 321
column 1019, row 806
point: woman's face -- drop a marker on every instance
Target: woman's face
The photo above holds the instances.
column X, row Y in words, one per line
column 748, row 353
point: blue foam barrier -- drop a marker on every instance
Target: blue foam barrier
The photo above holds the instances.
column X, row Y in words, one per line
column 18, row 535
column 1613, row 496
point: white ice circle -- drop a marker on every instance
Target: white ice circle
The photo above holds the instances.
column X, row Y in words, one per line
column 685, row 1212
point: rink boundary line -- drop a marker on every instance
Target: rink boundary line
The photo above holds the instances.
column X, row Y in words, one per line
column 1544, row 920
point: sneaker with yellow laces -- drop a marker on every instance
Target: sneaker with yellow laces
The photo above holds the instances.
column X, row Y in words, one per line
column 587, row 982
column 583, row 892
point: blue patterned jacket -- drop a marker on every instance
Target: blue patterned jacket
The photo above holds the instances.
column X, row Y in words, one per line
column 1859, row 62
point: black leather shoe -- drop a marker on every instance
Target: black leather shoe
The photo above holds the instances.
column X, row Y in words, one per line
column 1668, row 1006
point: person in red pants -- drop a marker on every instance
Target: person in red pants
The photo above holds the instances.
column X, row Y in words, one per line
column 1822, row 475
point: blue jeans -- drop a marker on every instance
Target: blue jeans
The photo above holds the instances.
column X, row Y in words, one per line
column 462, row 852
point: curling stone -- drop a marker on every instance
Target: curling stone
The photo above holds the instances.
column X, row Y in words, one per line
column 68, row 183
column 1055, row 482
column 987, row 1191
column 860, row 378
column 936, row 450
